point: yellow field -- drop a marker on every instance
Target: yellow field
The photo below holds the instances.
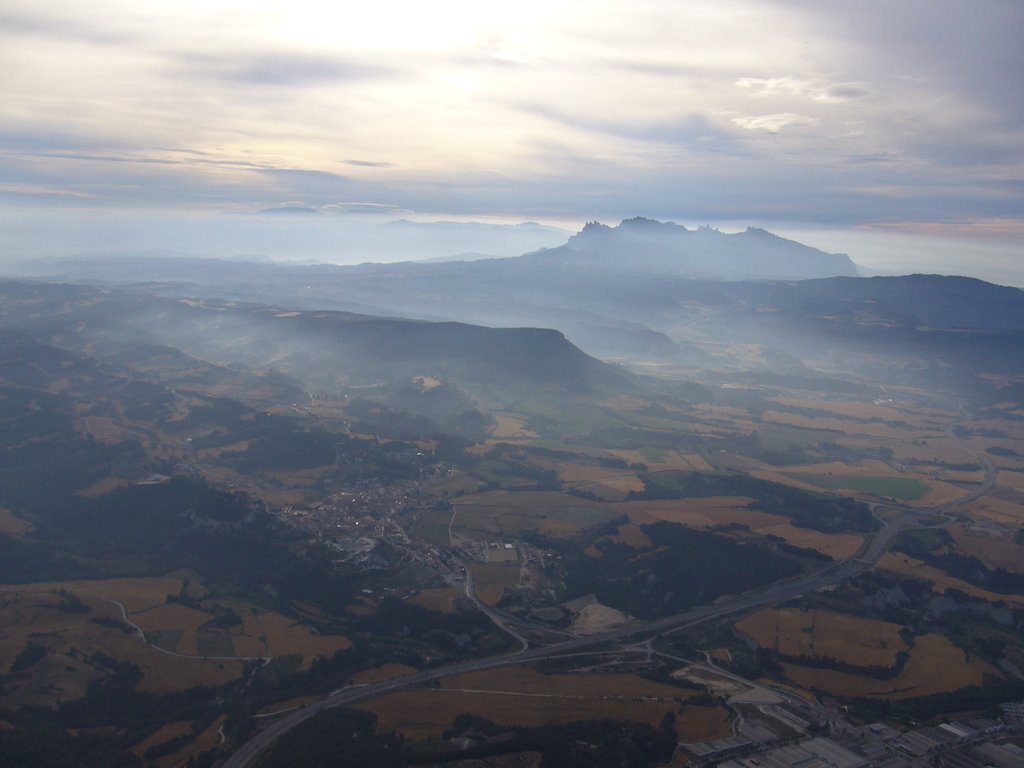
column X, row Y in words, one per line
column 12, row 525
column 918, row 678
column 995, row 551
column 173, row 617
column 362, row 606
column 490, row 581
column 105, row 485
column 897, row 562
column 500, row 513
column 285, row 637
column 702, row 724
column 835, row 545
column 610, row 483
column 509, row 426
column 133, row 594
column 281, row 496
column 205, row 741
column 825, row 634
column 944, row 450
column 669, row 460
column 523, row 696
column 455, row 484
column 380, row 674
column 720, row 510
column 166, row 733
column 916, row 418
column 439, row 599
column 1014, row 480
column 1005, row 513
column 846, row 426
column 33, row 615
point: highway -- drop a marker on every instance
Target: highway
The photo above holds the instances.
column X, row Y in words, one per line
column 834, row 573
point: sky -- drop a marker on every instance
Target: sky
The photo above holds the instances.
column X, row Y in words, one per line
column 893, row 131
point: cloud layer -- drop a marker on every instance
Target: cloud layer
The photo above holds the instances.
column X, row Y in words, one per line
column 867, row 113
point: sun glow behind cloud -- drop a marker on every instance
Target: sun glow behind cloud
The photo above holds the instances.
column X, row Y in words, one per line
column 768, row 110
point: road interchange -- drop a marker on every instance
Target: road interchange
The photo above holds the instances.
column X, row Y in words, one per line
column 874, row 547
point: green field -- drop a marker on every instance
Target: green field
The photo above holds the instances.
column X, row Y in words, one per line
column 902, row 488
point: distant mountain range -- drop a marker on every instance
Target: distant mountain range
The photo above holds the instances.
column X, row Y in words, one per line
column 322, row 349
column 631, row 293
column 652, row 246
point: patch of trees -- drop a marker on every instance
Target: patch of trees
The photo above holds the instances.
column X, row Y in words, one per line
column 681, row 568
column 998, row 450
column 985, row 698
column 321, row 740
column 582, row 744
column 462, row 633
column 828, row 514
column 44, row 743
column 938, row 548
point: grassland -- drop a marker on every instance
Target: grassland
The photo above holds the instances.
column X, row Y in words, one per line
column 825, row 634
column 440, row 599
column 919, row 677
column 491, row 581
column 500, row 513
column 523, row 696
column 902, row 488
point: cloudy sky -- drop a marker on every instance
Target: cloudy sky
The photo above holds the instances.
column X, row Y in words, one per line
column 859, row 123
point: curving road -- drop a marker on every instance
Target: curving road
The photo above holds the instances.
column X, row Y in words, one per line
column 834, row 573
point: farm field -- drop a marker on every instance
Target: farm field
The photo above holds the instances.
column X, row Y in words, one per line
column 490, row 581
column 899, row 563
column 722, row 510
column 206, row 740
column 511, row 427
column 918, row 678
column 523, row 696
column 874, row 429
column 658, row 459
column 901, row 488
column 29, row 616
column 286, row 637
column 995, row 547
column 1008, row 513
column 825, row 634
column 703, row 724
column 163, row 734
column 506, row 514
column 440, row 599
column 914, row 417
column 134, row 594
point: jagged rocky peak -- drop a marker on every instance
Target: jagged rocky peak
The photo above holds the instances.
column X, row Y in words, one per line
column 642, row 244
